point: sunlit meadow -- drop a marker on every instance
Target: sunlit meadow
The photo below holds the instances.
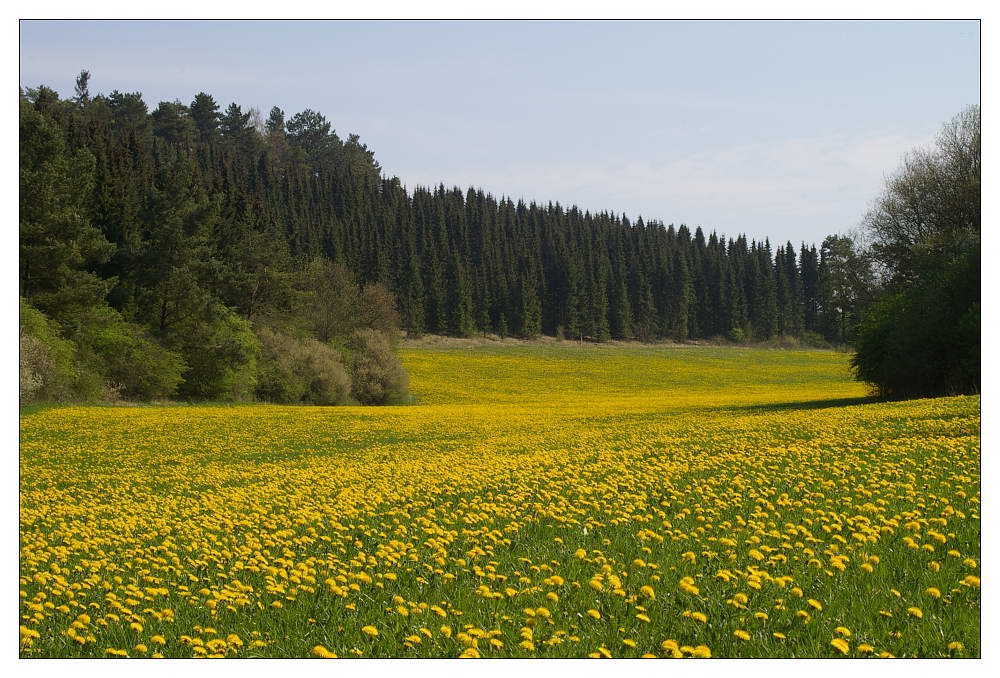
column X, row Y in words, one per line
column 535, row 501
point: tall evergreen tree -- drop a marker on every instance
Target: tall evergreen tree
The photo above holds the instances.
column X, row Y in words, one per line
column 205, row 113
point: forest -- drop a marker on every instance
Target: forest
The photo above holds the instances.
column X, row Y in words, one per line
column 205, row 253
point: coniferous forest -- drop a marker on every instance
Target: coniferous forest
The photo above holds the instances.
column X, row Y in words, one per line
column 204, row 252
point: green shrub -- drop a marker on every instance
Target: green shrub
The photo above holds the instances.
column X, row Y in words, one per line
column 377, row 311
column 131, row 364
column 220, row 351
column 46, row 361
column 924, row 341
column 377, row 375
column 737, row 335
column 785, row 341
column 814, row 340
column 299, row 371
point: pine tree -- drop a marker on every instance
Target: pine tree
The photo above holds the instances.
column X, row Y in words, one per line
column 57, row 241
column 205, row 113
column 461, row 322
column 82, row 88
column 681, row 297
column 172, row 122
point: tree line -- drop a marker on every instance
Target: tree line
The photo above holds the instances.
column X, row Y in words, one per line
column 197, row 227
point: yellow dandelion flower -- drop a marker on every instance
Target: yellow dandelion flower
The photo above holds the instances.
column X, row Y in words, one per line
column 841, row 645
column 915, row 612
column 369, row 631
column 815, row 604
column 594, row 613
column 741, row 634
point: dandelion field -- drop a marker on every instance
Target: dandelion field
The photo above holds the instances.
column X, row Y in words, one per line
column 536, row 501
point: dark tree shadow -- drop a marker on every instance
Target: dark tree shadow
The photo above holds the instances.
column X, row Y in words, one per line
column 807, row 404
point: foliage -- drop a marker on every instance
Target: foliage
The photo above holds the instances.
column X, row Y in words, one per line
column 220, row 351
column 922, row 338
column 377, row 375
column 300, row 371
column 929, row 213
column 847, row 281
column 46, row 361
column 201, row 205
column 377, row 311
column 57, row 240
column 125, row 356
column 329, row 300
column 599, row 500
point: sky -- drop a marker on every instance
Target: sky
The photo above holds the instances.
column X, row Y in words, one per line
column 779, row 130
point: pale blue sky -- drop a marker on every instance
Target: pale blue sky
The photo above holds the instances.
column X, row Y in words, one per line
column 774, row 129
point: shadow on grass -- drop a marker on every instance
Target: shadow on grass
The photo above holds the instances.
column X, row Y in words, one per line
column 808, row 404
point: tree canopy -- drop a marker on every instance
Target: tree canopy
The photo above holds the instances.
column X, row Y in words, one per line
column 922, row 337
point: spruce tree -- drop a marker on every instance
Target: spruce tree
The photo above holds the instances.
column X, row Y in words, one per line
column 205, row 113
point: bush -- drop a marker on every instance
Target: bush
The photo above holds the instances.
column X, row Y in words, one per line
column 34, row 364
column 221, row 351
column 377, row 375
column 785, row 341
column 300, row 371
column 815, row 340
column 131, row 365
column 46, row 361
column 924, row 341
column 377, row 311
column 737, row 335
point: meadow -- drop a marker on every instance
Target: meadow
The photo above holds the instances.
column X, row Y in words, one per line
column 535, row 501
